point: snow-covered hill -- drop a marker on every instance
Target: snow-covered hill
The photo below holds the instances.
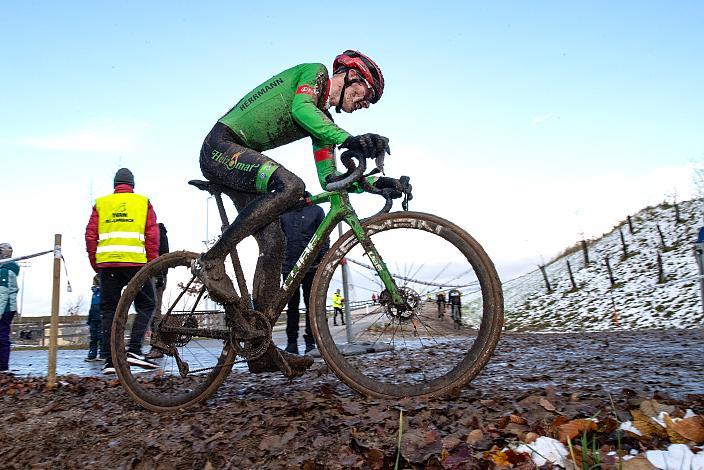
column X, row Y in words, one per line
column 638, row 299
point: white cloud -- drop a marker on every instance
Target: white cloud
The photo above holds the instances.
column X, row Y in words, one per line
column 95, row 137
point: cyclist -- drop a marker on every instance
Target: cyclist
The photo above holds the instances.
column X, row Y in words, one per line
column 455, row 299
column 287, row 107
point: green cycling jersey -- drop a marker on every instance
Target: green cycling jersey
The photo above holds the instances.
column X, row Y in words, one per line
column 288, row 107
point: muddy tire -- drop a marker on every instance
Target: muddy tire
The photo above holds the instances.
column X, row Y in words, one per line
column 428, row 355
column 166, row 390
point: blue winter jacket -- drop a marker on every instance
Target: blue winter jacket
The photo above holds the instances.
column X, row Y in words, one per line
column 8, row 286
column 94, row 312
column 299, row 225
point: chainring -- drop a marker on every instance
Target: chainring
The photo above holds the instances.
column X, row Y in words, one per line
column 252, row 347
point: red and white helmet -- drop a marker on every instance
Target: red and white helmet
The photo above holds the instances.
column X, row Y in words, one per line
column 366, row 67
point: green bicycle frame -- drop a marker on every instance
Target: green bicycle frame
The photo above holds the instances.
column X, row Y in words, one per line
column 340, row 209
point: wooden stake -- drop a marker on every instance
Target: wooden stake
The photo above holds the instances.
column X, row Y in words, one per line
column 662, row 238
column 623, row 243
column 569, row 270
column 630, row 225
column 54, row 330
column 545, row 276
column 661, row 271
column 677, row 214
column 585, row 252
column 611, row 274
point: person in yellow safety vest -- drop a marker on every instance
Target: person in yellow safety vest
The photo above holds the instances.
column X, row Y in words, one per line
column 122, row 236
column 337, row 307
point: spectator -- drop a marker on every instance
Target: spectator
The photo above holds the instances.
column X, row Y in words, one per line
column 375, row 298
column 8, row 302
column 441, row 304
column 122, row 236
column 337, row 307
column 95, row 324
column 160, row 286
column 299, row 225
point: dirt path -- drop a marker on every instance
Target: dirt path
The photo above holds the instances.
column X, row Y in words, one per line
column 267, row 421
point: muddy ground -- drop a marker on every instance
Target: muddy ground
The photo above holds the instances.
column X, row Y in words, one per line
column 536, row 383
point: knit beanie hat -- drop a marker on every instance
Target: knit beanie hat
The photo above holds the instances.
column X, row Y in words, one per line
column 5, row 250
column 123, row 176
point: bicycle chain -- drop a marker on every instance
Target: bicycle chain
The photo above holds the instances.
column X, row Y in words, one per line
column 253, row 348
column 240, row 361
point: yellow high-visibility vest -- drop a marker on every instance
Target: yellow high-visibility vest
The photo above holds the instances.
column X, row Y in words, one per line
column 122, row 219
column 336, row 300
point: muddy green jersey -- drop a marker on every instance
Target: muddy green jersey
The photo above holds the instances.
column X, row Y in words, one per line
column 288, row 107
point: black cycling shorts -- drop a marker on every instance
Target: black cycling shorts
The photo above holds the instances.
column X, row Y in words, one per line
column 225, row 161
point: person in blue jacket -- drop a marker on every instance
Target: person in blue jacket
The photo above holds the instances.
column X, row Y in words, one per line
column 298, row 226
column 8, row 302
column 95, row 322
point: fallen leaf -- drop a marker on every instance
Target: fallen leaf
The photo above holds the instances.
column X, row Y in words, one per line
column 575, row 428
column 647, row 427
column 499, row 458
column 691, row 428
column 474, row 436
column 375, row 459
column 639, row 462
column 450, row 442
column 652, row 408
column 674, row 436
column 517, row 419
column 516, row 429
column 491, row 404
column 547, row 405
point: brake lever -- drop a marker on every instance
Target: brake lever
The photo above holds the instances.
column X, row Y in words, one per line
column 407, row 191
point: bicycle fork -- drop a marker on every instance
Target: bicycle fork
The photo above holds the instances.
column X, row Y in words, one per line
column 374, row 257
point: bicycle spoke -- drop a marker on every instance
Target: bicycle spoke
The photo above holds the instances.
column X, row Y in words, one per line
column 427, row 343
column 166, row 388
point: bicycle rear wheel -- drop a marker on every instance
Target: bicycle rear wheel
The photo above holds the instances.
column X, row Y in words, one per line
column 185, row 304
column 410, row 351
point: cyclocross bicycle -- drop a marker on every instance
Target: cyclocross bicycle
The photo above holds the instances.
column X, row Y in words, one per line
column 410, row 352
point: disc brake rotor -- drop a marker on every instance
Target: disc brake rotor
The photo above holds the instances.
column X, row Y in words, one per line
column 404, row 312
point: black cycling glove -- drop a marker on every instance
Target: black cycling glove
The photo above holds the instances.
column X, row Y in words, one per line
column 390, row 183
column 371, row 145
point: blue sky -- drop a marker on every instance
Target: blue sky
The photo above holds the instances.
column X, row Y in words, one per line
column 526, row 122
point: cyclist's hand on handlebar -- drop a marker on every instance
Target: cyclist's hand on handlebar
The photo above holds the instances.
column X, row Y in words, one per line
column 395, row 186
column 371, row 145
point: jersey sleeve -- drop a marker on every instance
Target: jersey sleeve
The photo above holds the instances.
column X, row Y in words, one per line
column 311, row 89
column 325, row 166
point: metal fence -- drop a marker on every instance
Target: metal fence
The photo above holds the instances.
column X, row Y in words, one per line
column 37, row 334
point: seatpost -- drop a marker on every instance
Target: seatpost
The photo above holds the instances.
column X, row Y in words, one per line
column 234, row 257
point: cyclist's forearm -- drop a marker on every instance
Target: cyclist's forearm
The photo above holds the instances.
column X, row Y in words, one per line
column 325, row 166
column 324, row 163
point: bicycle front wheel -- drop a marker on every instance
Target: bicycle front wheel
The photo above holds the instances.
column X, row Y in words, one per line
column 188, row 331
column 415, row 350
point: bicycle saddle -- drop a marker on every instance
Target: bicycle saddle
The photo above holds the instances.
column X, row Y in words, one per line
column 208, row 186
